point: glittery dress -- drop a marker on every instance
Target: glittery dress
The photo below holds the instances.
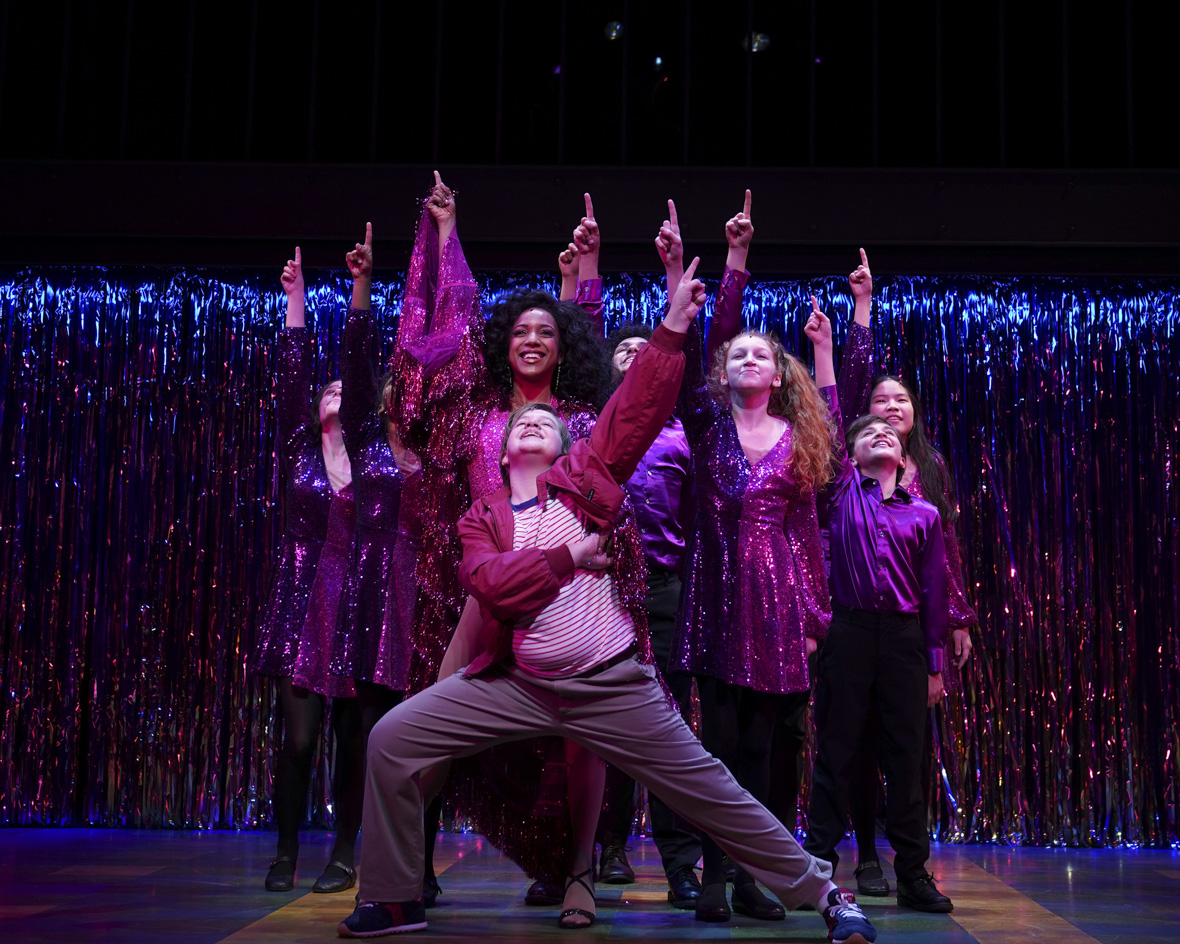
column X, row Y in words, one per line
column 856, row 377
column 755, row 583
column 453, row 415
column 373, row 641
column 298, row 630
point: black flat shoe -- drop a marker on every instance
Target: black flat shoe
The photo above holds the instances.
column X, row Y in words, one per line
column 563, row 918
column 711, row 905
column 337, row 877
column 871, row 880
column 544, row 892
column 748, row 900
column 923, row 895
column 281, row 877
column 683, row 888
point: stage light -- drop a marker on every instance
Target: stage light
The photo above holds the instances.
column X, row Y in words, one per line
column 756, row 42
column 614, row 29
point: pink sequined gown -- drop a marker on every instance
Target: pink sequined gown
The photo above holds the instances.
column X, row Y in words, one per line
column 453, row 416
column 297, row 634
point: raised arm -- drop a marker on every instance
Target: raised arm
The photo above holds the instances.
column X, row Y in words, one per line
column 819, row 329
column 739, row 232
column 293, row 363
column 567, row 266
column 727, row 315
column 671, row 249
column 856, row 365
column 358, row 357
column 586, row 244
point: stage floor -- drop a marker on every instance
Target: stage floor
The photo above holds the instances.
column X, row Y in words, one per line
column 125, row 886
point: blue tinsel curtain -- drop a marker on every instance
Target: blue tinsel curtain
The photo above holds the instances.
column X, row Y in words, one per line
column 139, row 508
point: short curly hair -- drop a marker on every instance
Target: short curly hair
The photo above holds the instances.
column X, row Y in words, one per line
column 585, row 367
column 629, row 329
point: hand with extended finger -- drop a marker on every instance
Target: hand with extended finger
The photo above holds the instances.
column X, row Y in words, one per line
column 668, row 243
column 360, row 260
column 818, row 327
column 686, row 301
column 739, row 229
column 861, row 279
column 441, row 203
column 586, row 237
column 292, row 277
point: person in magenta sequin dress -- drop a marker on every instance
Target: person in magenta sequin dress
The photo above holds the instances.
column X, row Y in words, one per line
column 462, row 378
column 297, row 633
column 756, row 598
column 927, row 476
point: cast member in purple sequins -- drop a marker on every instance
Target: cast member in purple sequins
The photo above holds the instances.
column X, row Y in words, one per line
column 756, row 597
column 298, row 630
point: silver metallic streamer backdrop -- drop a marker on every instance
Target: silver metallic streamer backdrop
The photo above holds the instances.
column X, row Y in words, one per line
column 139, row 508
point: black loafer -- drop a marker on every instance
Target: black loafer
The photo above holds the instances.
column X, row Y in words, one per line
column 748, row 900
column 337, row 877
column 281, row 877
column 711, row 905
column 683, row 888
column 922, row 894
column 544, row 892
column 871, row 880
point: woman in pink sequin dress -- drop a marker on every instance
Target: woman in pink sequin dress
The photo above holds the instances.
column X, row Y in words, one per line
column 755, row 598
column 297, row 634
column 462, row 376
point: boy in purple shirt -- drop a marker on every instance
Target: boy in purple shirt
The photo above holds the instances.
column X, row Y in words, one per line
column 885, row 645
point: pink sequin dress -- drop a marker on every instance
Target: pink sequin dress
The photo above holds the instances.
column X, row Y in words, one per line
column 297, row 634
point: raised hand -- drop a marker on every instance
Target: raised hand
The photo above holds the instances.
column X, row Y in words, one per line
column 360, row 260
column 586, row 237
column 441, row 203
column 568, row 264
column 292, row 277
column 819, row 329
column 861, row 279
column 739, row 229
column 668, row 243
column 292, row 281
column 686, row 301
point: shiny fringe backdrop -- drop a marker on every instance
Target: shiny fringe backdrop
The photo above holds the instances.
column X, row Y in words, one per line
column 139, row 509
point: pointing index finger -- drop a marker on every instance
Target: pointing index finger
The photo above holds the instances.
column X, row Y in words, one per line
column 368, row 235
column 746, row 208
column 589, row 206
column 672, row 213
column 298, row 257
column 690, row 272
column 864, row 259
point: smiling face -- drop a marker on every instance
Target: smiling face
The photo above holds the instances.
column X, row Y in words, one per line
column 533, row 352
column 535, row 437
column 625, row 353
column 751, row 365
column 891, row 401
column 877, row 442
column 330, row 401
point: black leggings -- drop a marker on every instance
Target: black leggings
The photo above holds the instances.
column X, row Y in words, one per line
column 303, row 713
column 738, row 728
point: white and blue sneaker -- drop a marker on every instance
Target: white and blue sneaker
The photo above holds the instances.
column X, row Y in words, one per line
column 847, row 924
column 377, row 918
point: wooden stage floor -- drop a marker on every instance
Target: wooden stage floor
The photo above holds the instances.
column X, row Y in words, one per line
column 128, row 887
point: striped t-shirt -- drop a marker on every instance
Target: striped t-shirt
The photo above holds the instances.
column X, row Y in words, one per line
column 585, row 624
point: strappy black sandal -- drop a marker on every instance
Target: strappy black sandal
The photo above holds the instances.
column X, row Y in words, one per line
column 570, row 912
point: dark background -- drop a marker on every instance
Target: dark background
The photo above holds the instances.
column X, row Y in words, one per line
column 990, row 137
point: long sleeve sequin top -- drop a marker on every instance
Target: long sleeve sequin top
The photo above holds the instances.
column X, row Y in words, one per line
column 755, row 583
column 376, row 627
column 297, row 633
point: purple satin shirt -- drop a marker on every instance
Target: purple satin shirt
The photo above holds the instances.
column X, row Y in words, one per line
column 660, row 490
column 887, row 554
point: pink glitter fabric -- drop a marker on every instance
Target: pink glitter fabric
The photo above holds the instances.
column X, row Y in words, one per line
column 375, row 629
column 857, row 370
column 755, row 585
column 453, row 416
column 297, row 632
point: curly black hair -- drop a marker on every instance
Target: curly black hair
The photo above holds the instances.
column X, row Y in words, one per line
column 628, row 329
column 585, row 367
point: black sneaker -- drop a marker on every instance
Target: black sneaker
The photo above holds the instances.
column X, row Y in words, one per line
column 376, row 918
column 684, row 888
column 922, row 894
column 871, row 880
column 614, row 869
column 544, row 892
column 430, row 891
column 847, row 924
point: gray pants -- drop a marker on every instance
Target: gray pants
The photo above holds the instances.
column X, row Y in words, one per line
column 620, row 713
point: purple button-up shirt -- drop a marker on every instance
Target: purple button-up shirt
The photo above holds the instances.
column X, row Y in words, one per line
column 661, row 491
column 888, row 555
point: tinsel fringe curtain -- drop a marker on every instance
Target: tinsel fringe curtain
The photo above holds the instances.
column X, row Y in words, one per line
column 139, row 509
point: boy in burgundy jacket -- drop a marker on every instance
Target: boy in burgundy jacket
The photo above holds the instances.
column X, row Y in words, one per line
column 560, row 659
